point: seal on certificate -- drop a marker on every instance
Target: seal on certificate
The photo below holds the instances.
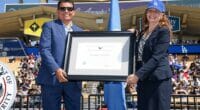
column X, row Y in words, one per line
column 7, row 87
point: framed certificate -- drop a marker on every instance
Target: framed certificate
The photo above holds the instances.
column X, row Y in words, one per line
column 99, row 56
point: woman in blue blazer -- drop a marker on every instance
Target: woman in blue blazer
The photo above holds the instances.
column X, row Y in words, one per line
column 153, row 74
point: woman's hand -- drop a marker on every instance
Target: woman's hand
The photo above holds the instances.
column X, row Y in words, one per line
column 87, row 30
column 132, row 79
column 132, row 30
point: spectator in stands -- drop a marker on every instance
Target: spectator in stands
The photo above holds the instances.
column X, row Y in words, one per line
column 34, row 90
column 153, row 75
column 52, row 77
column 180, row 89
column 31, row 61
column 12, row 59
column 37, row 44
column 100, row 88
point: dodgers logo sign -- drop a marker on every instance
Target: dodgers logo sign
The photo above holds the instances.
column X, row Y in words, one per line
column 7, row 87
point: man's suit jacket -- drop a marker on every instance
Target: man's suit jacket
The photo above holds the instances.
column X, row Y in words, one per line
column 155, row 57
column 52, row 50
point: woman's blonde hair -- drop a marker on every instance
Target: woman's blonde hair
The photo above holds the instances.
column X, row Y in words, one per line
column 164, row 22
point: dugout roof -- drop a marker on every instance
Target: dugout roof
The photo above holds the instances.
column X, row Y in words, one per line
column 12, row 23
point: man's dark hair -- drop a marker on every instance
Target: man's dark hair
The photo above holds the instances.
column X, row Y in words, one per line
column 61, row 1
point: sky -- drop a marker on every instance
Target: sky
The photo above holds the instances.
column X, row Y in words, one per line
column 195, row 3
column 3, row 2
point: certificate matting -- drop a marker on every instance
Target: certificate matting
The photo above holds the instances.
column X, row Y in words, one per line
column 99, row 56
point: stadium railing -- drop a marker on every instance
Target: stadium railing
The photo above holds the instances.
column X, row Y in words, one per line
column 96, row 101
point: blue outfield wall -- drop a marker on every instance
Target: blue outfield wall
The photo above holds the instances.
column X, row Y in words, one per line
column 181, row 49
column 32, row 50
column 173, row 49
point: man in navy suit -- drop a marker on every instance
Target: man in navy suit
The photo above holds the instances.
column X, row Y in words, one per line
column 52, row 78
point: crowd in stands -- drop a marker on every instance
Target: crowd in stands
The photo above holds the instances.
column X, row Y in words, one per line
column 186, row 74
column 185, row 80
column 26, row 76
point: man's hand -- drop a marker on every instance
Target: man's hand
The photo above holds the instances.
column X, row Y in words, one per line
column 61, row 75
column 132, row 80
